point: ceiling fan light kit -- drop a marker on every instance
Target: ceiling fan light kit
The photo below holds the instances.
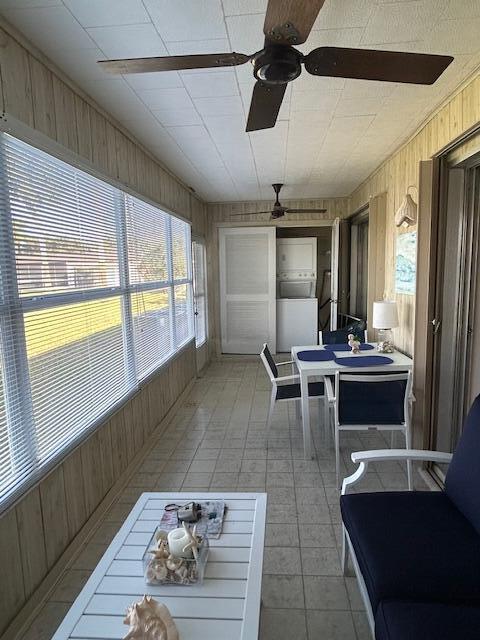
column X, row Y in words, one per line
column 288, row 23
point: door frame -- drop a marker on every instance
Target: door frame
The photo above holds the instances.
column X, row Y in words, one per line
column 432, row 202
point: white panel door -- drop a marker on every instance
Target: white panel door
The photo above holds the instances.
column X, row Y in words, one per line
column 334, row 276
column 247, row 289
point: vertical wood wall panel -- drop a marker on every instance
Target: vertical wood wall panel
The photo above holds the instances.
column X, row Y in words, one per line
column 51, row 514
column 399, row 171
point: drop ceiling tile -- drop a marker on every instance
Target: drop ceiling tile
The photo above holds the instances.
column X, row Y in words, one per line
column 187, row 19
column 118, row 98
column 99, row 13
column 28, row 4
column 186, row 48
column 461, row 9
column 307, row 100
column 455, row 36
column 246, row 32
column 239, row 7
column 128, row 41
column 399, row 22
column 145, row 81
column 176, row 117
column 176, row 98
column 215, row 85
column 321, row 84
column 226, row 106
column 189, row 133
column 81, row 66
column 358, row 106
column 332, row 38
column 347, row 13
column 367, row 89
column 50, row 28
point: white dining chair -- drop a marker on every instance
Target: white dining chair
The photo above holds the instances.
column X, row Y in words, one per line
column 283, row 392
column 380, row 401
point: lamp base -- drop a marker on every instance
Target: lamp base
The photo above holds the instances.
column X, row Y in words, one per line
column 385, row 341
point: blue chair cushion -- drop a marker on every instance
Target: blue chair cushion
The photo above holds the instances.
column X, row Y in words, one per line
column 271, row 361
column 291, row 391
column 371, row 402
column 413, row 546
column 462, row 482
column 340, row 336
column 426, row 621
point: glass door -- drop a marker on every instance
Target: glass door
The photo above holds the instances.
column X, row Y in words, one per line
column 200, row 291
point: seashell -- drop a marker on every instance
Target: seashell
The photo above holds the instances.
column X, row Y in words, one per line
column 194, row 542
column 173, row 563
column 150, row 620
column 160, row 535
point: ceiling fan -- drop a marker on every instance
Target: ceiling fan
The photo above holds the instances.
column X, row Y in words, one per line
column 278, row 210
column 287, row 23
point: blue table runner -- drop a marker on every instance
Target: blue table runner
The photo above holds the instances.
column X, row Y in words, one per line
column 315, row 355
column 364, row 361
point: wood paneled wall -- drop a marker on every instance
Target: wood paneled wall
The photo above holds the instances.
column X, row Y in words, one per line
column 459, row 114
column 232, row 212
column 37, row 529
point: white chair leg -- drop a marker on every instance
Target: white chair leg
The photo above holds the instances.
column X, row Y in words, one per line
column 270, row 413
column 298, row 410
column 344, row 551
column 326, row 418
column 408, row 445
column 337, row 456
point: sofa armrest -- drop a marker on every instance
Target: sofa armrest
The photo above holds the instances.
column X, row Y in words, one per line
column 362, row 458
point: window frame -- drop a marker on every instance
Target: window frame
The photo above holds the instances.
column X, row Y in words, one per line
column 14, row 306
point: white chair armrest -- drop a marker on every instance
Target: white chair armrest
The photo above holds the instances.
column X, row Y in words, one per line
column 280, row 364
column 362, row 458
column 329, row 389
column 380, row 455
column 285, row 378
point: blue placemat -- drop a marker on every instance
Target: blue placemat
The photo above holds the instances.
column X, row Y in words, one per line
column 364, row 346
column 364, row 361
column 315, row 355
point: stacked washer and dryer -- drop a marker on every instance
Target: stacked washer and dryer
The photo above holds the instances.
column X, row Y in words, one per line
column 297, row 305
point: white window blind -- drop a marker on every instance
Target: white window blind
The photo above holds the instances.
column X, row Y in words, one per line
column 88, row 304
column 200, row 292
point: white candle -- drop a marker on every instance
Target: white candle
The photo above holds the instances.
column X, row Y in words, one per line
column 177, row 540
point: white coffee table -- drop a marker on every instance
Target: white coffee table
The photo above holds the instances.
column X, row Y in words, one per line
column 225, row 607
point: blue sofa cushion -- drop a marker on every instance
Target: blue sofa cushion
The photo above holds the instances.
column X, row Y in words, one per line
column 290, row 391
column 426, row 621
column 462, row 483
column 413, row 546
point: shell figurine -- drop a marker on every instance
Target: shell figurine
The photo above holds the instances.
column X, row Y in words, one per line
column 150, row 620
column 353, row 343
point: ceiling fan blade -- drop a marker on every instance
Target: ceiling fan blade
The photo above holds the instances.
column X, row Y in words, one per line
column 250, row 213
column 290, row 21
column 305, row 210
column 369, row 64
column 265, row 105
column 174, row 63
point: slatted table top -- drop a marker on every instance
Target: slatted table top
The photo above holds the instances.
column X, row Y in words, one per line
column 225, row 607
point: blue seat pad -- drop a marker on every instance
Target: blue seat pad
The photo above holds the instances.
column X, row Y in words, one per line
column 290, row 391
column 426, row 621
column 413, row 546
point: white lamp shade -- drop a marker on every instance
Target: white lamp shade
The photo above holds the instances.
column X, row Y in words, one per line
column 385, row 315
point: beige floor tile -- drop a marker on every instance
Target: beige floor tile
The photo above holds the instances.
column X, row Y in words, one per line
column 330, row 625
column 320, row 561
column 283, row 592
column 283, row 624
column 281, row 535
column 282, row 560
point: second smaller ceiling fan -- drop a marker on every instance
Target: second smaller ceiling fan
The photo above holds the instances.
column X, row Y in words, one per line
column 278, row 210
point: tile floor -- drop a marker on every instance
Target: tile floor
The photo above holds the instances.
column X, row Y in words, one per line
column 217, row 441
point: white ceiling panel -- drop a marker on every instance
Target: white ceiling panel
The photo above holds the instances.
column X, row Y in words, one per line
column 331, row 132
column 187, row 19
column 215, row 85
column 128, row 41
column 50, row 28
column 98, row 13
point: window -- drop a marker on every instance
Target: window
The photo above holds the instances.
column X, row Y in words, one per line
column 200, row 292
column 96, row 293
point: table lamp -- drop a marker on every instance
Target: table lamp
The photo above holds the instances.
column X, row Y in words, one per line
column 385, row 318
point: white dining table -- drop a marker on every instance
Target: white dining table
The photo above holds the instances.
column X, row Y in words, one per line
column 307, row 369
